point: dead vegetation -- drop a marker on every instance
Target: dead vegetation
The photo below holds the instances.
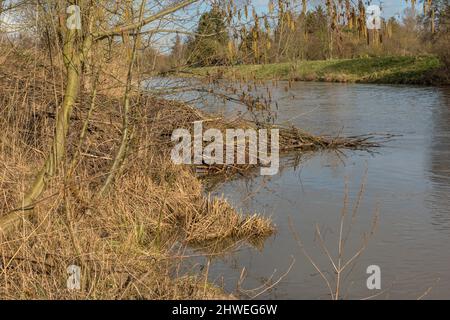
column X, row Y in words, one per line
column 126, row 242
column 292, row 140
column 130, row 241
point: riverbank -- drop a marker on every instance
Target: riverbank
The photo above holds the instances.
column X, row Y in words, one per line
column 423, row 70
column 132, row 242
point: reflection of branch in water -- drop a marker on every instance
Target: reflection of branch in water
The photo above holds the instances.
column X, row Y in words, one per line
column 341, row 267
column 266, row 286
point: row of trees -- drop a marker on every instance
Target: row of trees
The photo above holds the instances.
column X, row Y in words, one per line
column 288, row 31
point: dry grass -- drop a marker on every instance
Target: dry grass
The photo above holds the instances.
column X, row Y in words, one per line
column 128, row 243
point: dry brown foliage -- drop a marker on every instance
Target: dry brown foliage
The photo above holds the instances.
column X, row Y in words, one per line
column 127, row 243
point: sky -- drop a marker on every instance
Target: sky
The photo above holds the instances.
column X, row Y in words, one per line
column 390, row 7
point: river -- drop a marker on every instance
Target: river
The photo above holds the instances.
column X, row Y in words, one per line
column 407, row 182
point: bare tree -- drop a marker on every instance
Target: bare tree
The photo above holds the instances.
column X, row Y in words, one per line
column 98, row 25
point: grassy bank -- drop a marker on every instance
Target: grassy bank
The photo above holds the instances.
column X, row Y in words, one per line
column 389, row 70
column 131, row 243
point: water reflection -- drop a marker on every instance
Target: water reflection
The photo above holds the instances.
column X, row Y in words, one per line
column 409, row 179
column 439, row 166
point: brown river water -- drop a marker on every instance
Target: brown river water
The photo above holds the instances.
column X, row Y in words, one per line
column 407, row 180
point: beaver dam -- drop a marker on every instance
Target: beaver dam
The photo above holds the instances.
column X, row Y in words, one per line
column 129, row 242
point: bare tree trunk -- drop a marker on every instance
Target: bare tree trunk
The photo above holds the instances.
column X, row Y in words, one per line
column 433, row 24
column 121, row 153
column 74, row 54
column 72, row 61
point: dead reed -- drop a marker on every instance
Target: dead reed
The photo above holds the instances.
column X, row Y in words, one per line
column 127, row 242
